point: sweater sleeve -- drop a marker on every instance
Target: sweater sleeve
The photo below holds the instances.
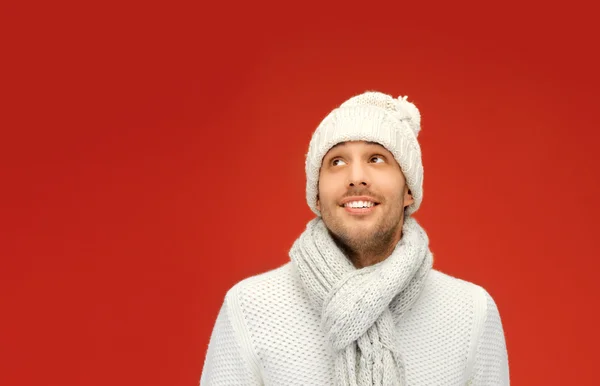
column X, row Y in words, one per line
column 491, row 357
column 230, row 359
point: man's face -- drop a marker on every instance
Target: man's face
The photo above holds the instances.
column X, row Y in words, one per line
column 362, row 196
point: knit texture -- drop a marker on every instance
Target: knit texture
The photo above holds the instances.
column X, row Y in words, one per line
column 372, row 116
column 269, row 333
column 356, row 303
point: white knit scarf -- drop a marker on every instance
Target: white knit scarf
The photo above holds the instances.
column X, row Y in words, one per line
column 357, row 304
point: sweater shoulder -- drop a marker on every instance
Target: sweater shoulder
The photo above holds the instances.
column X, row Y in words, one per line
column 268, row 294
column 456, row 297
column 275, row 281
column 283, row 327
column 455, row 290
column 449, row 280
column 473, row 306
column 448, row 318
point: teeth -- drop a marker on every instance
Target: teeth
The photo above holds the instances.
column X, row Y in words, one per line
column 359, row 204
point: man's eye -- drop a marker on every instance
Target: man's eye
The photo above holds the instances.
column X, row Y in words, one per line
column 336, row 161
column 377, row 158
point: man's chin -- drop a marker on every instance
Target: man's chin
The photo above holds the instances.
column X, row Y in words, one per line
column 357, row 236
column 353, row 228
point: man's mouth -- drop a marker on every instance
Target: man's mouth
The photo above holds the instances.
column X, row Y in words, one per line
column 359, row 204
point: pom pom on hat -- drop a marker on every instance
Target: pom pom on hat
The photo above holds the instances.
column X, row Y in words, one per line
column 410, row 112
column 399, row 107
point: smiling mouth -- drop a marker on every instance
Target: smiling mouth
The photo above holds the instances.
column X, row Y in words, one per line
column 359, row 204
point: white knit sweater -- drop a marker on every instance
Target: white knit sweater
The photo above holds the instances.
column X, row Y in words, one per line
column 268, row 333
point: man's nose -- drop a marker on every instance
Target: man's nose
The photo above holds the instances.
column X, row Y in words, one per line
column 358, row 175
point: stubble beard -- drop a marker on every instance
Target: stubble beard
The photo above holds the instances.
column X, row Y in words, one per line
column 356, row 242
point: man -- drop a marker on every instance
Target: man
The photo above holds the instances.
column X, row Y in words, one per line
column 359, row 303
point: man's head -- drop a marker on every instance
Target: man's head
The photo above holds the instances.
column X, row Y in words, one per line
column 362, row 196
column 367, row 148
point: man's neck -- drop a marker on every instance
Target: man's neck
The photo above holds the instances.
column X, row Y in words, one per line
column 370, row 255
column 362, row 259
column 367, row 259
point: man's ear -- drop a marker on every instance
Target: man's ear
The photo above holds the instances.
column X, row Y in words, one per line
column 318, row 203
column 408, row 198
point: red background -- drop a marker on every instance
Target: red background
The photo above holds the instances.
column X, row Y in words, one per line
column 152, row 156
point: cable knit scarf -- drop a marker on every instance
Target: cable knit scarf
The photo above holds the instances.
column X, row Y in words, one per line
column 357, row 304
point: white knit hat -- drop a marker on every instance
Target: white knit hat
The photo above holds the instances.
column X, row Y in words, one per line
column 375, row 117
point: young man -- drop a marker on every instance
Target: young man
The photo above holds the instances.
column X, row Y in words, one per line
column 359, row 303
